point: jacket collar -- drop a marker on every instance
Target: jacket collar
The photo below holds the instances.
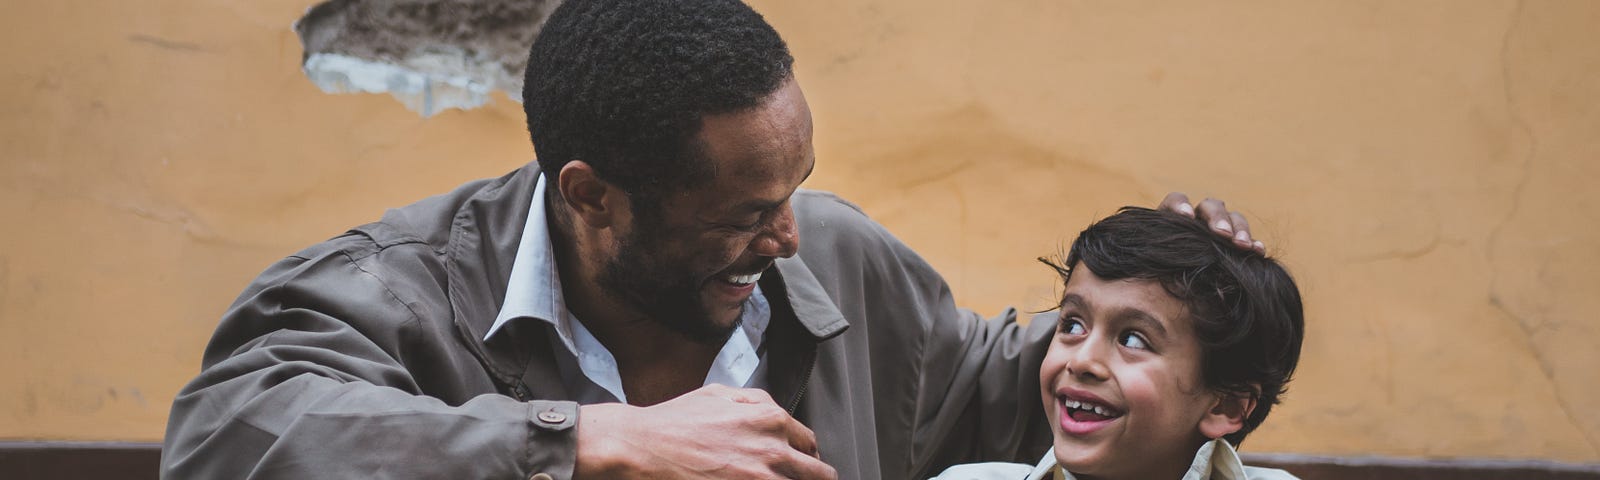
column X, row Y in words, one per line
column 812, row 306
column 484, row 235
column 482, row 247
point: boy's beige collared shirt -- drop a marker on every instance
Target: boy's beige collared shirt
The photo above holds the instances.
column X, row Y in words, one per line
column 1216, row 460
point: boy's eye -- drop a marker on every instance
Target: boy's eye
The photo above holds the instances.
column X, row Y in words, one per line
column 1072, row 326
column 1133, row 340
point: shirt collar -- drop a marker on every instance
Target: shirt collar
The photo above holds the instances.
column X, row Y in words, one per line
column 534, row 289
column 1216, row 460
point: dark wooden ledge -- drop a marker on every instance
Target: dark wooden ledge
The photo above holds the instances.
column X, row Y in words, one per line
column 23, row 460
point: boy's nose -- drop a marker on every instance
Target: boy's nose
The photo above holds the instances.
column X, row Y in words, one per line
column 1088, row 362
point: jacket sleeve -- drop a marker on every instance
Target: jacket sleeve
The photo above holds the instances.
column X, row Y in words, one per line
column 957, row 387
column 303, row 379
column 979, row 399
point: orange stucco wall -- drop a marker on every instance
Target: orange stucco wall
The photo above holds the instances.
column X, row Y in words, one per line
column 1422, row 166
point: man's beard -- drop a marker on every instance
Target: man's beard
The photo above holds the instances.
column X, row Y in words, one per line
column 666, row 295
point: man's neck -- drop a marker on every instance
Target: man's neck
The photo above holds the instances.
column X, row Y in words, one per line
column 656, row 363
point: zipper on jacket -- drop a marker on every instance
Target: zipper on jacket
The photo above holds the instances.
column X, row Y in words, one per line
column 805, row 381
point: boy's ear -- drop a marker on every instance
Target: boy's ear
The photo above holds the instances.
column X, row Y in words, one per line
column 1227, row 415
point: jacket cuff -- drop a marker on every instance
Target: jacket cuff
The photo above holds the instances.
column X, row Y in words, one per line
column 552, row 439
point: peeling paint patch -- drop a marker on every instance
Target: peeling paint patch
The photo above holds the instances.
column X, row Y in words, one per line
column 432, row 55
column 421, row 92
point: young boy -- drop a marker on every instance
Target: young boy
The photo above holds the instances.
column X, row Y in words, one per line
column 1171, row 346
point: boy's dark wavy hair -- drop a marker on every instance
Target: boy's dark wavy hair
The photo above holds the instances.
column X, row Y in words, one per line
column 1244, row 306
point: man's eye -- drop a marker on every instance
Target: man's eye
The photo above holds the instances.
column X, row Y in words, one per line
column 1133, row 340
column 744, row 227
column 750, row 226
column 1072, row 326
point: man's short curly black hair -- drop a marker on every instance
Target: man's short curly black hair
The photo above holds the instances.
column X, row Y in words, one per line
column 623, row 84
column 1244, row 306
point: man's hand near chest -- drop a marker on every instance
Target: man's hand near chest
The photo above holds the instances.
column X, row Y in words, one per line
column 714, row 432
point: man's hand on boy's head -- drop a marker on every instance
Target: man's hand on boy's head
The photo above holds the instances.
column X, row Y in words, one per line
column 1214, row 212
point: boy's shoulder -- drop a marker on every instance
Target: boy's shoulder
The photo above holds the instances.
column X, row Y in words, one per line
column 1002, row 470
column 986, row 471
column 1259, row 473
column 1218, row 459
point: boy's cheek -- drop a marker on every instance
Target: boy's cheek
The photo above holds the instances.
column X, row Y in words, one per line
column 1052, row 367
column 1050, row 370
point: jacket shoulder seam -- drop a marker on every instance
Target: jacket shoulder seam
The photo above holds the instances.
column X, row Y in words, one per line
column 415, row 318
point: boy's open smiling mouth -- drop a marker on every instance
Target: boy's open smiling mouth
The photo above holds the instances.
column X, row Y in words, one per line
column 1083, row 413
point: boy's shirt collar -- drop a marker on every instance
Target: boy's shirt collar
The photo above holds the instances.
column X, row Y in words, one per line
column 1216, row 460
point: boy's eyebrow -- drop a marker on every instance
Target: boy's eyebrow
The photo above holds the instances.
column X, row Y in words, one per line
column 1130, row 315
column 1142, row 318
column 1073, row 299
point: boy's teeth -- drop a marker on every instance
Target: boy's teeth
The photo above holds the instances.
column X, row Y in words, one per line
column 1088, row 407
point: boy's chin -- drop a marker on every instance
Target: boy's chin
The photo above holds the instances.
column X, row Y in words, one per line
column 1084, row 458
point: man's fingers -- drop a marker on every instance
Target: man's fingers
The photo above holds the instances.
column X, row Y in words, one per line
column 753, row 396
column 1230, row 225
column 803, row 467
column 737, row 395
column 1241, row 231
column 1177, row 202
column 1215, row 214
column 800, row 437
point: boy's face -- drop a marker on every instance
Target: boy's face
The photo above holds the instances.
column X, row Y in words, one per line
column 1121, row 381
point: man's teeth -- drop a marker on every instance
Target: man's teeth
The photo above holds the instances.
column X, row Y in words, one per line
column 744, row 279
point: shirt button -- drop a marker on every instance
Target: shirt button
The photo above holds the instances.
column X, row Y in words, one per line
column 540, row 476
column 551, row 416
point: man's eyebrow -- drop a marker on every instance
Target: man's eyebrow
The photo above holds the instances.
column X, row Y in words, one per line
column 757, row 205
column 764, row 205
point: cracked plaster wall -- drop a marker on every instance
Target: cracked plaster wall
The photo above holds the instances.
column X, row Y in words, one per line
column 1422, row 166
column 432, row 55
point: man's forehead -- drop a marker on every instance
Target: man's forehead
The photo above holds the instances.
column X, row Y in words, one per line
column 761, row 140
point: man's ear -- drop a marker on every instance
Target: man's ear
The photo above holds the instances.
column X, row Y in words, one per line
column 589, row 198
column 1227, row 415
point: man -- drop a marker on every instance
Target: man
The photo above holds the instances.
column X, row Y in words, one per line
column 591, row 315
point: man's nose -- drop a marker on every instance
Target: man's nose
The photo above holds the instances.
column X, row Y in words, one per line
column 781, row 238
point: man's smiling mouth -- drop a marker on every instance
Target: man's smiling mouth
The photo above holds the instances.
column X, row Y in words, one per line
column 742, row 280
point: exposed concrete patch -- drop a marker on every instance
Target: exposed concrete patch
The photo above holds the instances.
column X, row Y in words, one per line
column 429, row 54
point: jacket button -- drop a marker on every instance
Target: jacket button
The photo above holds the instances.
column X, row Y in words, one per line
column 540, row 476
column 551, row 416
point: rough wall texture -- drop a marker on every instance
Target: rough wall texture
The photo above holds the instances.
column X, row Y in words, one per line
column 1422, row 166
column 430, row 54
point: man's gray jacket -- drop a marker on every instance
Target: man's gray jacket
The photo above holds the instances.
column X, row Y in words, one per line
column 363, row 357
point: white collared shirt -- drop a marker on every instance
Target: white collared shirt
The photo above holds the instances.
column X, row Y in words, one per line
column 587, row 369
column 1215, row 460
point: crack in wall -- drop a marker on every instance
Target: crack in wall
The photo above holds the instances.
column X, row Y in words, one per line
column 432, row 55
column 1530, row 327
